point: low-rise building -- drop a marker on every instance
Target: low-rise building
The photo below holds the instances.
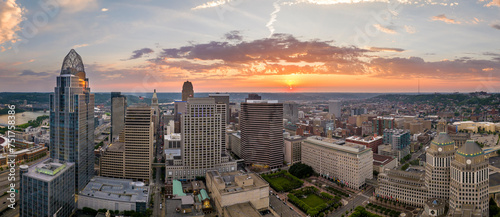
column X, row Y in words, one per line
column 370, row 141
column 114, row 194
column 237, row 189
column 381, row 162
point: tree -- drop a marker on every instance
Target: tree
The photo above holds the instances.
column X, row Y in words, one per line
column 375, row 173
column 301, row 170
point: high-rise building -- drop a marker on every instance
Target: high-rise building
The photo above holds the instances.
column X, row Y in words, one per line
column 187, row 91
column 224, row 99
column 291, row 112
column 156, row 113
column 334, row 107
column 469, row 181
column 201, row 141
column 72, row 119
column 458, row 178
column 261, row 124
column 441, row 126
column 397, row 138
column 118, row 107
column 138, row 139
column 132, row 156
column 437, row 169
column 47, row 189
column 382, row 123
column 293, row 146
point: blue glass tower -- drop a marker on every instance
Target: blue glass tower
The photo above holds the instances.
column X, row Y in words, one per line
column 72, row 119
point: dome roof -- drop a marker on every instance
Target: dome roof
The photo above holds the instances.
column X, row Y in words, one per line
column 470, row 149
column 443, row 139
column 73, row 64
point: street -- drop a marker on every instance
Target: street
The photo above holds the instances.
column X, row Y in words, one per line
column 360, row 200
column 158, row 184
column 280, row 207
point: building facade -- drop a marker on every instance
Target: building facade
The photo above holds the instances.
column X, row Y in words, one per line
column 291, row 112
column 118, row 108
column 350, row 164
column 187, row 91
column 370, row 141
column 262, row 133
column 437, row 168
column 72, row 119
column 47, row 189
column 335, row 108
column 293, row 148
column 201, row 142
column 399, row 139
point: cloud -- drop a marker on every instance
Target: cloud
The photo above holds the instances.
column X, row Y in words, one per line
column 80, row 45
column 32, row 73
column 496, row 26
column 211, row 4
column 11, row 15
column 233, row 35
column 139, row 53
column 384, row 29
column 410, row 29
column 488, row 69
column 104, row 9
column 72, row 6
column 445, row 19
column 274, row 15
column 492, row 3
column 386, row 49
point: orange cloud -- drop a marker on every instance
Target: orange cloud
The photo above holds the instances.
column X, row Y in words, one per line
column 445, row 19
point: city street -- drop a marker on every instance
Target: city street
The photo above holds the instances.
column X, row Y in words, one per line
column 281, row 208
column 360, row 199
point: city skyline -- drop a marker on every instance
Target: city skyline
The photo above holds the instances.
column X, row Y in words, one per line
column 243, row 46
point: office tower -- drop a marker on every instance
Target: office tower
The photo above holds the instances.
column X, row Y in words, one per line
column 72, row 119
column 358, row 111
column 201, row 141
column 350, row 164
column 469, row 181
column 334, row 108
column 291, row 112
column 262, row 133
column 253, row 96
column 437, row 169
column 47, row 189
column 293, row 146
column 156, row 113
column 118, row 107
column 187, row 91
column 138, row 139
column 224, row 99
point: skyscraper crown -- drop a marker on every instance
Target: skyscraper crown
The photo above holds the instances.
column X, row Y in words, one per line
column 73, row 65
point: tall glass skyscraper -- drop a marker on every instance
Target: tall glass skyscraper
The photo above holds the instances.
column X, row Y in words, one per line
column 72, row 119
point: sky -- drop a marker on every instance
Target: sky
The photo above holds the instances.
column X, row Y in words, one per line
column 254, row 45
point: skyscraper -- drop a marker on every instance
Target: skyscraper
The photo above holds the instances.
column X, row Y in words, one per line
column 118, row 108
column 437, row 169
column 72, row 119
column 187, row 90
column 47, row 189
column 138, row 139
column 469, row 181
column 262, row 133
column 201, row 141
column 224, row 99
column 156, row 112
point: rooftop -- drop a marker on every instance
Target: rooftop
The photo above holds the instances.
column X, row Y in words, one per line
column 125, row 190
column 115, row 146
column 236, row 181
column 262, row 101
column 348, row 147
column 48, row 170
column 381, row 159
column 470, row 149
column 242, row 210
column 365, row 139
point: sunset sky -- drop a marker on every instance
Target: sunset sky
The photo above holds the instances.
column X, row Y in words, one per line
column 254, row 45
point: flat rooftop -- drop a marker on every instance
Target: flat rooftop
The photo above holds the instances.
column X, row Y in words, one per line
column 494, row 179
column 367, row 139
column 48, row 170
column 115, row 146
column 230, row 180
column 347, row 147
column 124, row 190
column 242, row 210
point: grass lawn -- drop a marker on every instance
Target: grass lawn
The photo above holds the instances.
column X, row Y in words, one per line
column 313, row 200
column 281, row 181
